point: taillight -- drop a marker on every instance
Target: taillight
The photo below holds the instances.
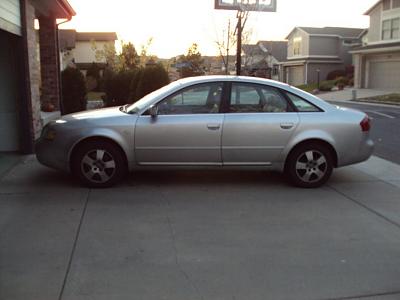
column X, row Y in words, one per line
column 365, row 124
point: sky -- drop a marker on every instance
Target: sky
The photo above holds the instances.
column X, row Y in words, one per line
column 174, row 25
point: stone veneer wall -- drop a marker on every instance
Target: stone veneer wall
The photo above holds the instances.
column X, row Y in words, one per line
column 49, row 56
column 34, row 68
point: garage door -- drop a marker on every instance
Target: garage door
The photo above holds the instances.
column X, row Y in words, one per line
column 296, row 75
column 384, row 75
column 8, row 93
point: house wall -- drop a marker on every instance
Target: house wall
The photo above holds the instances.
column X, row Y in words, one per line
column 84, row 53
column 324, row 69
column 33, row 72
column 323, row 45
column 374, row 32
column 304, row 49
column 10, row 16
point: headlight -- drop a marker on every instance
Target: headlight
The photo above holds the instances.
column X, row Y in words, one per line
column 48, row 133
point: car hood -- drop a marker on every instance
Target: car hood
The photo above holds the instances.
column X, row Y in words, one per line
column 94, row 114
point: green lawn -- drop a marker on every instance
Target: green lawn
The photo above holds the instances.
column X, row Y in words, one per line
column 313, row 86
column 94, row 96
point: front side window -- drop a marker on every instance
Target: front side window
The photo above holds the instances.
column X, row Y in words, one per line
column 386, row 4
column 248, row 98
column 200, row 99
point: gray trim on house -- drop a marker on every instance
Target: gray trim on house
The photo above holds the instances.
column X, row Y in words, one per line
column 96, row 36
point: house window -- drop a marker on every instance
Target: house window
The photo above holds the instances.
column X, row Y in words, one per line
column 386, row 4
column 391, row 29
column 396, row 3
column 296, row 45
column 275, row 70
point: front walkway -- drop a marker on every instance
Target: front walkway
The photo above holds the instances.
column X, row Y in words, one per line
column 180, row 235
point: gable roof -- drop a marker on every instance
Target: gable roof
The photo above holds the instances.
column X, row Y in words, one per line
column 66, row 39
column 343, row 32
column 277, row 49
column 251, row 49
column 372, row 8
column 340, row 31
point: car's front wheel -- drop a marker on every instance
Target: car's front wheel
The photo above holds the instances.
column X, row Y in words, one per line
column 98, row 164
column 309, row 165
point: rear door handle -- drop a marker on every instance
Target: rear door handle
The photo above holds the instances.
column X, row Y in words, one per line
column 287, row 125
column 213, row 126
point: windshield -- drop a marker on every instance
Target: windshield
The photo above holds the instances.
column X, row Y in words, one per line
column 146, row 100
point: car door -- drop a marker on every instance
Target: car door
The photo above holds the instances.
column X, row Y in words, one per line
column 186, row 131
column 258, row 124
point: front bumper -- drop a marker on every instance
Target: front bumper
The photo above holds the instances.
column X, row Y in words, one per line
column 50, row 154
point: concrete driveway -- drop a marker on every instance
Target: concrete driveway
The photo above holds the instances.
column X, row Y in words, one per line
column 201, row 235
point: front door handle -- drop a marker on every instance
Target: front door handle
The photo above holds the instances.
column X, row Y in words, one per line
column 287, row 125
column 213, row 126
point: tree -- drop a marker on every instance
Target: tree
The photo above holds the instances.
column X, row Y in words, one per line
column 192, row 62
column 73, row 90
column 107, row 53
column 152, row 78
column 229, row 40
column 129, row 58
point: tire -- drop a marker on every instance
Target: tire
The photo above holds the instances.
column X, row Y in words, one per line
column 309, row 165
column 99, row 164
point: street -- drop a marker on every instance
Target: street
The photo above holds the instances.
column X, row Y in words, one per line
column 385, row 128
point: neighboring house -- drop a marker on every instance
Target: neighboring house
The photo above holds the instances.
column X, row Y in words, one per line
column 29, row 69
column 314, row 52
column 215, row 65
column 79, row 48
column 264, row 58
column 377, row 61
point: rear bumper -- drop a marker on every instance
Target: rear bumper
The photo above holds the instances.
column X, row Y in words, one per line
column 360, row 154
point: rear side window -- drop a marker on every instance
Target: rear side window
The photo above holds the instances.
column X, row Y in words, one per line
column 301, row 104
column 253, row 98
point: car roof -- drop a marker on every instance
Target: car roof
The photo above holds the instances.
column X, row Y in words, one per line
column 211, row 78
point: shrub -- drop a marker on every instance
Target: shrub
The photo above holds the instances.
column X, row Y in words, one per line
column 134, row 84
column 335, row 74
column 93, row 77
column 73, row 90
column 342, row 81
column 117, row 88
column 326, row 86
column 152, row 78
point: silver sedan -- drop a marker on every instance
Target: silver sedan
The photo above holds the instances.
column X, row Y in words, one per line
column 215, row 121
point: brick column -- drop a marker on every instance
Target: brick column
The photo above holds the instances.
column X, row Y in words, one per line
column 49, row 61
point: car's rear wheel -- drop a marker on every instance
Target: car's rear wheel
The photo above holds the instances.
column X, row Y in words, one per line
column 98, row 164
column 309, row 165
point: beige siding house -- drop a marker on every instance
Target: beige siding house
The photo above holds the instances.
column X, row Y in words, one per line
column 314, row 52
column 79, row 48
column 377, row 61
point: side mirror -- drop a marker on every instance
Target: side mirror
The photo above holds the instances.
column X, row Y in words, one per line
column 153, row 110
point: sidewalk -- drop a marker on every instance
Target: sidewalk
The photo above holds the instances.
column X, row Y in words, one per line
column 347, row 94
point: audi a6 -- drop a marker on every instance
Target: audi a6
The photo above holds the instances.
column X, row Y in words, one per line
column 210, row 121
